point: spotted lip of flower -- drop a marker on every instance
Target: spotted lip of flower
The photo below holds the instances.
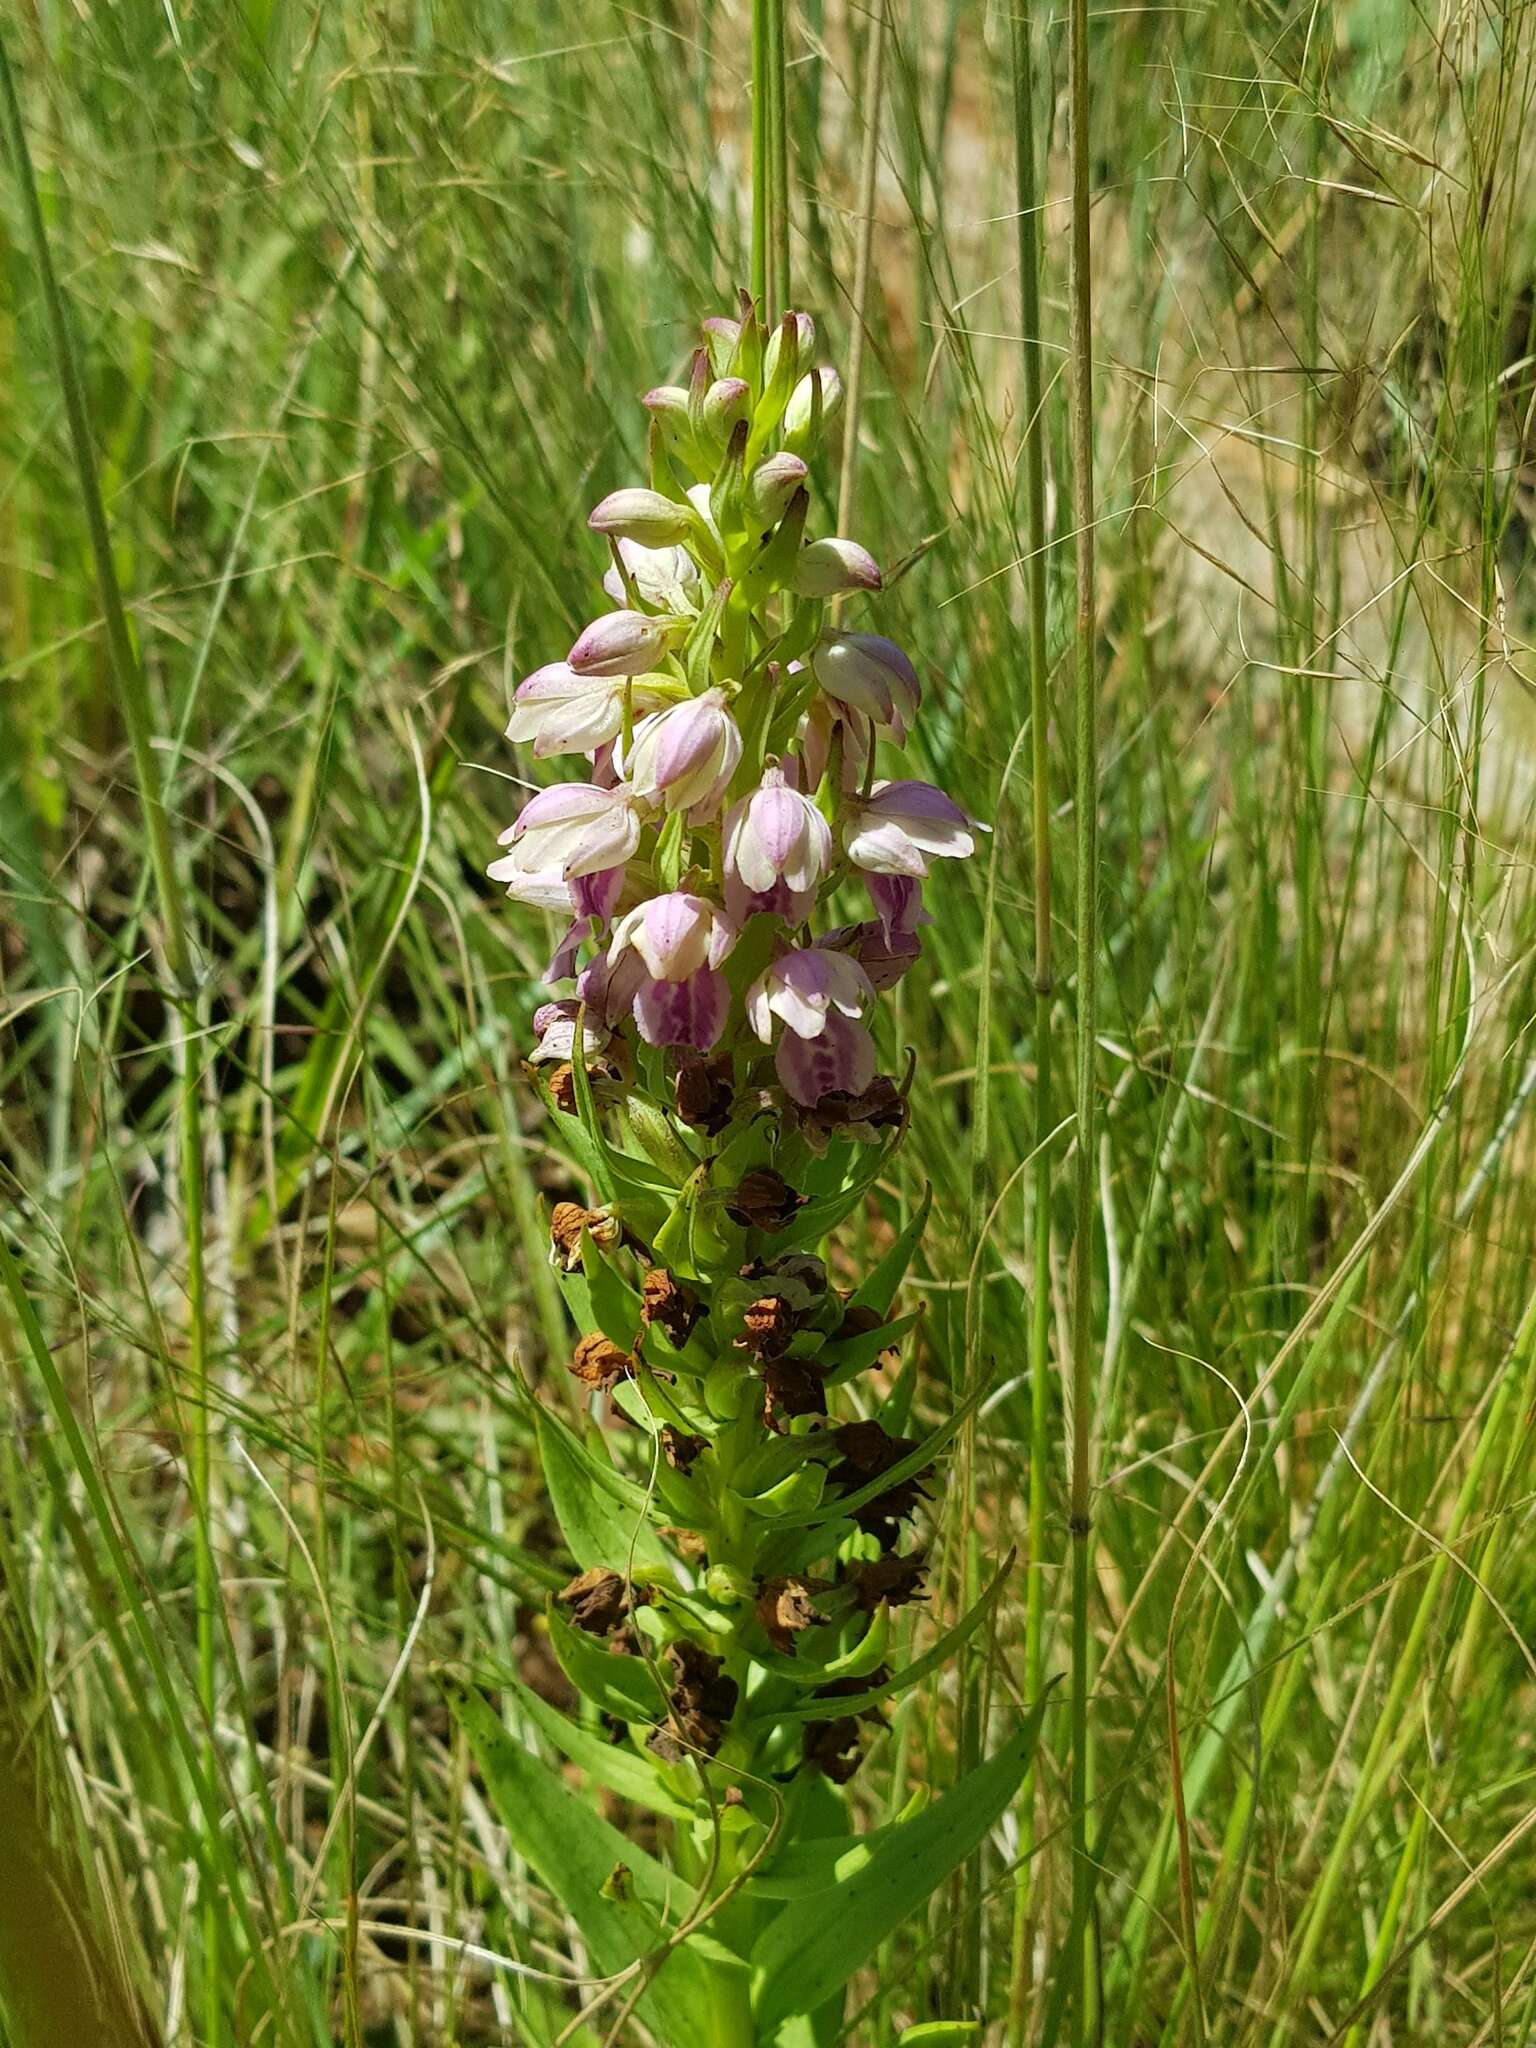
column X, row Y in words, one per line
column 901, row 826
column 827, row 568
column 869, row 674
column 680, row 939
column 621, row 643
column 569, row 830
column 685, row 757
column 778, row 847
column 665, row 577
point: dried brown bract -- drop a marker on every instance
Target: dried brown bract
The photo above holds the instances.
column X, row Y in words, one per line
column 763, row 1200
column 599, row 1601
column 566, row 1223
column 600, row 1364
column 786, row 1608
column 888, row 1581
column 668, row 1305
column 705, row 1094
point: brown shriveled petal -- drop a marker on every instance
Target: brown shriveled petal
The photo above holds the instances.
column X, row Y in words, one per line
column 868, row 1451
column 833, row 1748
column 770, row 1323
column 599, row 1601
column 700, row 1703
column 891, row 1581
column 705, row 1094
column 790, row 1387
column 881, row 1107
column 763, row 1200
column 601, row 1074
column 679, row 1448
column 669, row 1305
column 786, row 1607
column 568, row 1220
column 600, row 1364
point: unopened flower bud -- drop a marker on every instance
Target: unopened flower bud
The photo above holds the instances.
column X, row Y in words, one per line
column 827, row 568
column 869, row 673
column 641, row 515
column 771, row 486
column 800, row 414
column 797, row 331
column 668, row 402
column 720, row 338
column 727, row 400
column 622, row 643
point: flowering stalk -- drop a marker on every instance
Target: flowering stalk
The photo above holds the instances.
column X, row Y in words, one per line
column 744, row 1543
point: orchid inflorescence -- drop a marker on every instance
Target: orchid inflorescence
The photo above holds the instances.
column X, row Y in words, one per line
column 714, row 1076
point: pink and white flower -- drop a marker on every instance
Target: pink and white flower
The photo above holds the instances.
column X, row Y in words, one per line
column 562, row 712
column 803, row 989
column 684, row 757
column 901, row 826
column 828, row 721
column 568, row 830
column 594, row 898
column 869, row 674
column 778, row 847
column 680, row 940
column 554, row 1027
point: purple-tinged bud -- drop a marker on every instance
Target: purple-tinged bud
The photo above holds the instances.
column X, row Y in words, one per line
column 621, row 643
column 727, row 400
column 869, row 673
column 800, row 411
column 720, row 338
column 827, row 568
column 685, row 757
column 771, row 486
column 800, row 330
column 645, row 516
column 668, row 402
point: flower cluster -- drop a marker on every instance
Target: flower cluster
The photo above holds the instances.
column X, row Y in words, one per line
column 715, row 1073
column 730, row 733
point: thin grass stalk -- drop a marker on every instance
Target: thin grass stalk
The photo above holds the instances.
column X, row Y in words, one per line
column 761, row 96
column 778, row 158
column 1086, row 800
column 1033, row 466
column 869, row 165
column 137, row 712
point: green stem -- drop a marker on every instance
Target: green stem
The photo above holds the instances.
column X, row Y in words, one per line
column 1033, row 452
column 760, row 174
column 1086, row 822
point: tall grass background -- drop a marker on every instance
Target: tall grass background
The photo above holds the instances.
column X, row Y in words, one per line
column 362, row 297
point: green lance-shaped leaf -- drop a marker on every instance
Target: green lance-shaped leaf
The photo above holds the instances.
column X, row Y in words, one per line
column 615, row 1304
column 634, row 1778
column 879, row 1290
column 695, row 1996
column 811, row 1949
column 603, row 1516
column 843, row 1359
column 625, row 1687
